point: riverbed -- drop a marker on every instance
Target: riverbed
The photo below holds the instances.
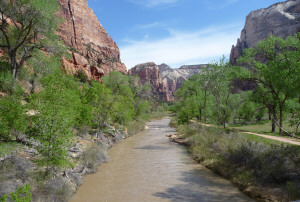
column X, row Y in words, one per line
column 148, row 167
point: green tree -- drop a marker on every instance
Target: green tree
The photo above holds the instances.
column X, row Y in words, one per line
column 219, row 77
column 196, row 89
column 274, row 65
column 102, row 104
column 141, row 95
column 12, row 117
column 26, row 25
column 247, row 109
column 57, row 108
column 118, row 83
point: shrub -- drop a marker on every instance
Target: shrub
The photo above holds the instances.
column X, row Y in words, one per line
column 269, row 163
column 93, row 157
column 12, row 117
column 135, row 126
column 22, row 193
column 81, row 76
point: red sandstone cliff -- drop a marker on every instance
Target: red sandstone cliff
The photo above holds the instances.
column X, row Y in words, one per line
column 176, row 77
column 149, row 74
column 164, row 79
column 93, row 50
column 280, row 19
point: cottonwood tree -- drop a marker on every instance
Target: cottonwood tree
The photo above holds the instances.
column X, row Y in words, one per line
column 102, row 103
column 278, row 77
column 118, row 83
column 220, row 79
column 141, row 95
column 57, row 108
column 26, row 25
column 194, row 96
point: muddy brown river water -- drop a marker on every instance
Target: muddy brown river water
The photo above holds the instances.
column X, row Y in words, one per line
column 148, row 167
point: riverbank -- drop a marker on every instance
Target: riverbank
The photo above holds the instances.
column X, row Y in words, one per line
column 263, row 169
column 88, row 151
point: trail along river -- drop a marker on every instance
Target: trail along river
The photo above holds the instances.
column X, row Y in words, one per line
column 148, row 167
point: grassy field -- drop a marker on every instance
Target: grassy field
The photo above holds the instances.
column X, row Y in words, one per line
column 265, row 128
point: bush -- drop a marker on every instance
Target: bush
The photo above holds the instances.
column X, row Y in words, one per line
column 135, row 126
column 93, row 157
column 269, row 163
column 12, row 117
column 81, row 76
column 22, row 193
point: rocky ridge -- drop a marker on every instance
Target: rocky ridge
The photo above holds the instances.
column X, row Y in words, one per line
column 149, row 74
column 280, row 19
column 164, row 79
column 93, row 51
column 175, row 77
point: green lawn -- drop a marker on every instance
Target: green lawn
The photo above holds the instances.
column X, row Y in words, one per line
column 265, row 128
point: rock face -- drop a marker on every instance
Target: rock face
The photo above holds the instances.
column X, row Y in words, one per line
column 93, row 50
column 176, row 77
column 164, row 79
column 149, row 74
column 280, row 19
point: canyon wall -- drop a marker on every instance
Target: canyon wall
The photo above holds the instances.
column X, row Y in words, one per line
column 175, row 77
column 93, row 51
column 164, row 80
column 280, row 19
column 149, row 74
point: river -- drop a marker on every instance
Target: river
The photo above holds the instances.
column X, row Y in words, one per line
column 148, row 167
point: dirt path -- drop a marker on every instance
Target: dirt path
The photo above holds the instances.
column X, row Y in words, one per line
column 280, row 139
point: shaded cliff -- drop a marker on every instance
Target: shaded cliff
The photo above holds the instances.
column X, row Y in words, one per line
column 280, row 19
column 93, row 50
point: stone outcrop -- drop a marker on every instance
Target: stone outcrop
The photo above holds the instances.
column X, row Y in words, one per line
column 149, row 74
column 280, row 19
column 164, row 80
column 93, row 50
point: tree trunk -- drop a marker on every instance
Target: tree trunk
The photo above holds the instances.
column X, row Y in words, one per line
column 200, row 115
column 205, row 94
column 273, row 125
column 280, row 120
column 13, row 64
column 270, row 115
column 274, row 120
column 297, row 128
column 33, row 84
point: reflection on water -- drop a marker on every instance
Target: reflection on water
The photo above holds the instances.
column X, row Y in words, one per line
column 148, row 167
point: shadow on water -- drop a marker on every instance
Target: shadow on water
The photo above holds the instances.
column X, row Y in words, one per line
column 203, row 187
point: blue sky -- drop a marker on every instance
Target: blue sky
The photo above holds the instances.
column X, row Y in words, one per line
column 175, row 32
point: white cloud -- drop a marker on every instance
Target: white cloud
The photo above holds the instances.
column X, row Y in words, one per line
column 150, row 25
column 182, row 48
column 153, row 3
